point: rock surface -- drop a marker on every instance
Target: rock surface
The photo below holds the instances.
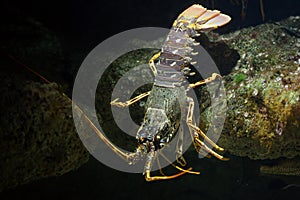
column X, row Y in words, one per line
column 263, row 92
column 37, row 135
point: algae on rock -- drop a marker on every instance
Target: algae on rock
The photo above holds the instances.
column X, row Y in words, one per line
column 263, row 93
column 37, row 135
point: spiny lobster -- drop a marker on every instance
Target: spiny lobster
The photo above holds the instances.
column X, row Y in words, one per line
column 169, row 92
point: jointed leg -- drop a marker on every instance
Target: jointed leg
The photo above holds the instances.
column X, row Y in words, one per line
column 148, row 177
column 200, row 132
column 129, row 102
column 151, row 63
column 149, row 161
column 179, row 168
column 213, row 77
column 196, row 131
column 180, row 159
column 159, row 166
column 206, row 148
column 139, row 97
column 153, row 155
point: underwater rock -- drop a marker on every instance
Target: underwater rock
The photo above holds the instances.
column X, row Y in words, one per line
column 261, row 73
column 263, row 92
column 37, row 133
column 282, row 167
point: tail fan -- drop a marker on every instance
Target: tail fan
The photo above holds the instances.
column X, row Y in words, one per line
column 202, row 19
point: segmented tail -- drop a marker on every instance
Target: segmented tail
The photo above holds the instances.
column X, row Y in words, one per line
column 179, row 46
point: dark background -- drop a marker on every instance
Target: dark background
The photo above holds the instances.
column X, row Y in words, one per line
column 84, row 24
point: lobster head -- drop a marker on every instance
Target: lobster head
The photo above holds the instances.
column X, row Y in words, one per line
column 155, row 131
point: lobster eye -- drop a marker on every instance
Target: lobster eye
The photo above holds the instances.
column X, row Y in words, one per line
column 144, row 139
column 149, row 138
column 141, row 139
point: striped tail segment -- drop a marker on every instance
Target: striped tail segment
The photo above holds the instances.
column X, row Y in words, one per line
column 177, row 50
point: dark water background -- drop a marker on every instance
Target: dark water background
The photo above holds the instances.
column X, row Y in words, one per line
column 80, row 26
column 84, row 24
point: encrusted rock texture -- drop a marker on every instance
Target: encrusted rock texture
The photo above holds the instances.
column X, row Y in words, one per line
column 37, row 134
column 263, row 91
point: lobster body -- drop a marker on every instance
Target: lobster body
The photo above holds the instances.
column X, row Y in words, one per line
column 162, row 117
column 168, row 95
column 168, row 104
column 161, row 121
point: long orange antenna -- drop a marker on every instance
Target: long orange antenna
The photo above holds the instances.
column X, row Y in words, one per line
column 119, row 152
column 29, row 69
